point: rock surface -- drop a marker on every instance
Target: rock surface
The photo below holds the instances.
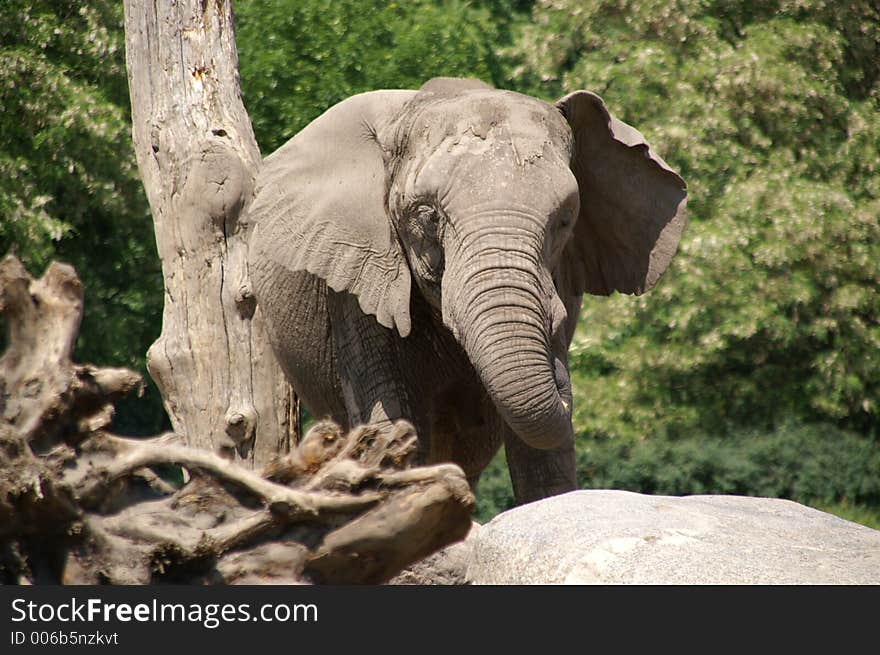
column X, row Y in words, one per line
column 619, row 537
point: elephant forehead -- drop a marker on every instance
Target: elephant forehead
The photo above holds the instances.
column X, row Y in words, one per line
column 509, row 158
column 476, row 112
column 478, row 174
column 526, row 122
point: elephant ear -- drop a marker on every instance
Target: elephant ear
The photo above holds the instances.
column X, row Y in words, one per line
column 632, row 204
column 319, row 206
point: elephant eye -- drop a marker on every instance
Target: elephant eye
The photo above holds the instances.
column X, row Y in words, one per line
column 567, row 218
column 427, row 213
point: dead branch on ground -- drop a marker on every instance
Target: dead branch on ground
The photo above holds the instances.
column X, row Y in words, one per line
column 80, row 505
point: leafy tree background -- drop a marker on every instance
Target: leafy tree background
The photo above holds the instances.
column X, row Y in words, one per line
column 753, row 367
column 69, row 186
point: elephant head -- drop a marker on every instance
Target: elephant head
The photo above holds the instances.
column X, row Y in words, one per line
column 498, row 206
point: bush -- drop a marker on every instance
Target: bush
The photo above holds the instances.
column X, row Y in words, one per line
column 816, row 464
column 494, row 491
column 805, row 463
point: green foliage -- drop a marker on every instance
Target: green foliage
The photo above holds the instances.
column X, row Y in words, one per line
column 69, row 188
column 817, row 465
column 807, row 463
column 864, row 514
column 300, row 58
column 770, row 111
column 494, row 490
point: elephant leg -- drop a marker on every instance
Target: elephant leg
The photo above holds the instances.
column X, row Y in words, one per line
column 535, row 473
column 370, row 378
column 467, row 423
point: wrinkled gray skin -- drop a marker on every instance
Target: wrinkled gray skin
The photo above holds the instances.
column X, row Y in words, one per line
column 422, row 255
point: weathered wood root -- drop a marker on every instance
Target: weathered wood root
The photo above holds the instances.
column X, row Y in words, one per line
column 81, row 505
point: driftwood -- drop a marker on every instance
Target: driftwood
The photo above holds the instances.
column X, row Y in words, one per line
column 81, row 505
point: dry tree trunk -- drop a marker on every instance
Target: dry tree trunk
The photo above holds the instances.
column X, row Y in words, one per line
column 80, row 505
column 221, row 384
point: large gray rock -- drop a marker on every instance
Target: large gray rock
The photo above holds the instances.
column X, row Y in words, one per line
column 612, row 537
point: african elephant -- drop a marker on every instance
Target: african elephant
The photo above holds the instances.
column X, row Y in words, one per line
column 422, row 255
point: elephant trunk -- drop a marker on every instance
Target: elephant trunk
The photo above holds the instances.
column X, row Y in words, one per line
column 502, row 313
